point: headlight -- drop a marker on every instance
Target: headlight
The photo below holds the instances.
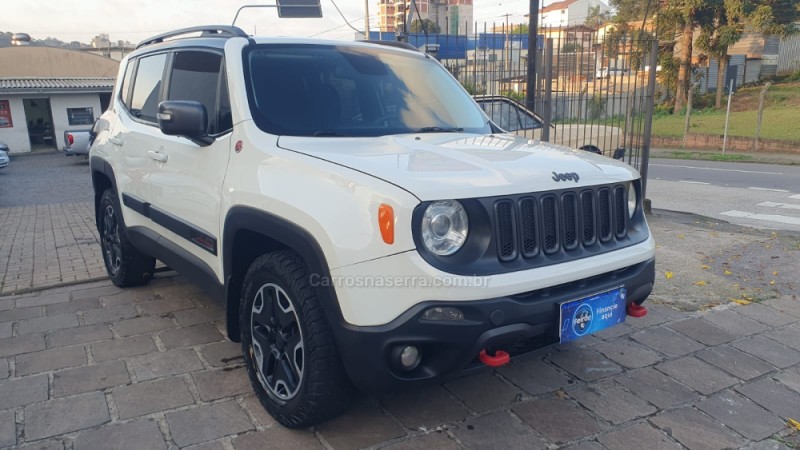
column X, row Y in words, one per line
column 631, row 199
column 444, row 227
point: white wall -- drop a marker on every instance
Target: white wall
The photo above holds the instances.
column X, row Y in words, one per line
column 59, row 105
column 579, row 11
column 16, row 137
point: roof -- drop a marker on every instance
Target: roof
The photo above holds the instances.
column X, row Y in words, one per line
column 58, row 84
column 558, row 5
column 46, row 62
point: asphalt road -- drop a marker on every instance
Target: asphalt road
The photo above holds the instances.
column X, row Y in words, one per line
column 758, row 195
column 43, row 179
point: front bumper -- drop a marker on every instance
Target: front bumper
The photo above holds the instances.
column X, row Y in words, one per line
column 515, row 323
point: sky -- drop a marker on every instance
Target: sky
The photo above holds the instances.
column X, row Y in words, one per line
column 135, row 20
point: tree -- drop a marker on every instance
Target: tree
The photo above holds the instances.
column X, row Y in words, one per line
column 425, row 26
column 595, row 18
column 519, row 29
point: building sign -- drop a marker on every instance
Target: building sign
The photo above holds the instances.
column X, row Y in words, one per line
column 80, row 116
column 5, row 115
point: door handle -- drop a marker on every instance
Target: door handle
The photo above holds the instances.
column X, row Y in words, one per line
column 158, row 156
column 116, row 140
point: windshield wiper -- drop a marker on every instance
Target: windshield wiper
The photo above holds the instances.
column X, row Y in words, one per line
column 439, row 130
column 327, row 133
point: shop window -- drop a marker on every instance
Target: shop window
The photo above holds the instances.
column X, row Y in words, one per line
column 80, row 116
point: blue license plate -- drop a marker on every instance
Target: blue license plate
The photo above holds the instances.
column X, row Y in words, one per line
column 589, row 315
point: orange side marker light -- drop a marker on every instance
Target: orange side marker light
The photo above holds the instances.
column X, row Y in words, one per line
column 386, row 223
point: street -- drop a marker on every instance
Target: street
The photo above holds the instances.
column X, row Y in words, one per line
column 45, row 179
column 759, row 195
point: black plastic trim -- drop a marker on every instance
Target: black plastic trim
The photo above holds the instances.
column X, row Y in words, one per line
column 177, row 258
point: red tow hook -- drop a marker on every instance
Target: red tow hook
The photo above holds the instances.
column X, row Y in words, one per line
column 635, row 310
column 500, row 358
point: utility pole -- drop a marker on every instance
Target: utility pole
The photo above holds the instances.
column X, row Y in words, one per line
column 533, row 36
column 366, row 20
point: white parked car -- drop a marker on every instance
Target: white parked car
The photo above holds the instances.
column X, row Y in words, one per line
column 4, row 160
column 362, row 220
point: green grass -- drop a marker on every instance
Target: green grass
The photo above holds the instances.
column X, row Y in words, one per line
column 708, row 156
column 779, row 124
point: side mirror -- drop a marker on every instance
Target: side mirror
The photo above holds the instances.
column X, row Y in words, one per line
column 184, row 118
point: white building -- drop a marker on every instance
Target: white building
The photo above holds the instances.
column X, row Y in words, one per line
column 452, row 16
column 45, row 91
column 569, row 13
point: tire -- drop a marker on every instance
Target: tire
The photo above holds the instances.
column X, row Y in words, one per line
column 125, row 265
column 281, row 309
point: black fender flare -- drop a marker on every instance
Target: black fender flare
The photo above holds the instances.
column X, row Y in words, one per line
column 98, row 165
column 288, row 235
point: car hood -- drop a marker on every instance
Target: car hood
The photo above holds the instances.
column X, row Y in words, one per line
column 458, row 165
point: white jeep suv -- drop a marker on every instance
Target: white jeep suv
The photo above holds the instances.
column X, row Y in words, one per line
column 362, row 220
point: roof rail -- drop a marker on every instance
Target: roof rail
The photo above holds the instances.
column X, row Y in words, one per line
column 398, row 44
column 223, row 31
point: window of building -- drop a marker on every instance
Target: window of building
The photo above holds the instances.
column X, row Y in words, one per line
column 147, row 87
column 80, row 116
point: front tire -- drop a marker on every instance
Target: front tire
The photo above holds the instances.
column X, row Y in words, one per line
column 125, row 265
column 289, row 351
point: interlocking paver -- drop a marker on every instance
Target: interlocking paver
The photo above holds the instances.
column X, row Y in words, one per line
column 216, row 384
column 638, row 437
column 363, row 425
column 427, row 407
column 586, row 445
column 766, row 315
column 72, row 306
column 197, row 316
column 53, row 359
column 434, row 440
column 5, row 369
column 702, row 331
column 789, row 377
column 483, row 391
column 20, row 314
column 96, row 292
column 789, row 336
column 773, row 396
column 733, row 322
column 44, row 299
column 736, row 362
column 8, row 428
column 79, row 335
column 629, row 353
column 61, row 416
column 194, row 335
column 696, row 430
column 742, row 415
column 151, row 396
column 156, row 307
column 787, row 305
column 482, row 432
column 47, row 323
column 173, row 362
column 205, row 423
column 612, row 403
column 667, row 341
column 585, row 364
column 144, row 434
column 278, row 437
column 6, row 303
column 120, row 348
column 5, row 329
column 559, row 420
column 652, row 318
column 770, row 351
column 23, row 391
column 535, row 376
column 615, row 331
column 143, row 325
column 89, row 378
column 223, row 353
column 697, row 374
column 109, row 314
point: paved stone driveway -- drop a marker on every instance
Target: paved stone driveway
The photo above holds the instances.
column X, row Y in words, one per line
column 93, row 366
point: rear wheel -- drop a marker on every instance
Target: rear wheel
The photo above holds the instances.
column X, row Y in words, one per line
column 126, row 266
column 288, row 347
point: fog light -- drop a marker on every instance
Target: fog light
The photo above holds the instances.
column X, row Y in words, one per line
column 407, row 357
column 443, row 313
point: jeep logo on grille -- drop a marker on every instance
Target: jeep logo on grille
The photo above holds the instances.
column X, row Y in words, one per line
column 571, row 176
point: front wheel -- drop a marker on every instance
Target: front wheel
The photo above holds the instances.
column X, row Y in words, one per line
column 125, row 265
column 288, row 347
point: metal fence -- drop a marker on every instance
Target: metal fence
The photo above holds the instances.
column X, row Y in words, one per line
column 592, row 90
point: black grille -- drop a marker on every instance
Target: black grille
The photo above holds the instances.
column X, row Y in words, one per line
column 504, row 212
column 546, row 225
column 529, row 227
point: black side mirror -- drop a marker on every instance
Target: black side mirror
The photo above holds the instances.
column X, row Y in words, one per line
column 184, row 118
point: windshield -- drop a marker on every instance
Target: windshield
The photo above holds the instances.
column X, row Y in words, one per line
column 329, row 90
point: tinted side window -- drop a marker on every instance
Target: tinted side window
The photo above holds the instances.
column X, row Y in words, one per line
column 147, row 87
column 225, row 121
column 126, row 83
column 195, row 76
